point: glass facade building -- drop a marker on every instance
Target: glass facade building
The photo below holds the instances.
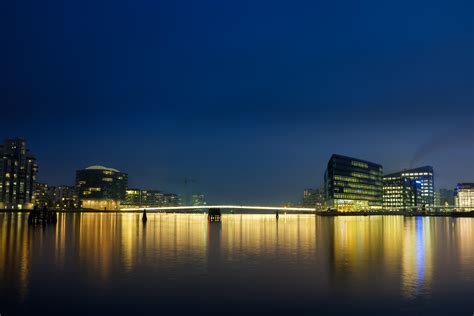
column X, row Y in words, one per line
column 18, row 171
column 145, row 198
column 424, row 182
column 100, row 187
column 400, row 193
column 353, row 184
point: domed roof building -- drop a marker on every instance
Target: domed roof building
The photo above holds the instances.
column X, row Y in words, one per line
column 100, row 187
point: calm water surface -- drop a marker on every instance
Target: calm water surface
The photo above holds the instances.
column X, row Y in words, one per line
column 98, row 263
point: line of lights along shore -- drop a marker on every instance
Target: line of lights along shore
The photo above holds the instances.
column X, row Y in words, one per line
column 350, row 184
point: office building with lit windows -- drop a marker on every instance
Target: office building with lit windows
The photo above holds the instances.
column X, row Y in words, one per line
column 18, row 171
column 143, row 198
column 423, row 177
column 353, row 184
column 400, row 193
column 100, row 187
column 464, row 196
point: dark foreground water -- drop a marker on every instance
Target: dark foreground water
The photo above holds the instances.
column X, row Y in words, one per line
column 246, row 264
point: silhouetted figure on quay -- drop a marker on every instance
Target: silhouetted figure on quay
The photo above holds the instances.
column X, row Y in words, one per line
column 144, row 218
column 277, row 215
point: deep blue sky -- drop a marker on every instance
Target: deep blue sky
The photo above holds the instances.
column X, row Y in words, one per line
column 250, row 98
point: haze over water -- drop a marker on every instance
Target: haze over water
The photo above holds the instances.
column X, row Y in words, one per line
column 97, row 263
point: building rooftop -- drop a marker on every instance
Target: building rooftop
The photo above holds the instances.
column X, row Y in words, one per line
column 337, row 156
column 419, row 169
column 101, row 168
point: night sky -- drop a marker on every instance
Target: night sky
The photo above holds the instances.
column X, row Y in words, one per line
column 249, row 98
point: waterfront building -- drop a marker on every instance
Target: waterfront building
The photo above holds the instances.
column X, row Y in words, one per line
column 171, row 199
column 145, row 198
column 446, row 197
column 352, row 184
column 422, row 176
column 18, row 171
column 100, row 187
column 400, row 192
column 133, row 197
column 464, row 196
column 64, row 198
column 41, row 195
column 152, row 197
column 313, row 198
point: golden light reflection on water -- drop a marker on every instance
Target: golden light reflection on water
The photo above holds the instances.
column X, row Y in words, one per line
column 393, row 254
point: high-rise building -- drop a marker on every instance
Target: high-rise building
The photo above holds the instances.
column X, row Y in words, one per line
column 100, row 187
column 353, row 184
column 313, row 198
column 464, row 196
column 423, row 176
column 41, row 195
column 400, row 192
column 18, row 171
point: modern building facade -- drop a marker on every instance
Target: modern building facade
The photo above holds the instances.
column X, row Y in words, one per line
column 18, row 170
column 423, row 183
column 143, row 198
column 464, row 196
column 61, row 198
column 353, row 184
column 400, row 193
column 99, row 187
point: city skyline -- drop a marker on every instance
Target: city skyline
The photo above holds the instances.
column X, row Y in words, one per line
column 248, row 99
column 115, row 192
column 181, row 190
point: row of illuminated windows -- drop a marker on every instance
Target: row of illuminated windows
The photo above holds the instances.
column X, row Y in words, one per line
column 356, row 185
column 364, row 176
column 359, row 164
column 411, row 174
column 365, row 192
column 355, row 180
column 356, row 197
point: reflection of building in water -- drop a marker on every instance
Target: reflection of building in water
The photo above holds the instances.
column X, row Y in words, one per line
column 105, row 237
column 464, row 234
column 382, row 245
column 263, row 234
column 15, row 253
column 417, row 256
column 356, row 240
